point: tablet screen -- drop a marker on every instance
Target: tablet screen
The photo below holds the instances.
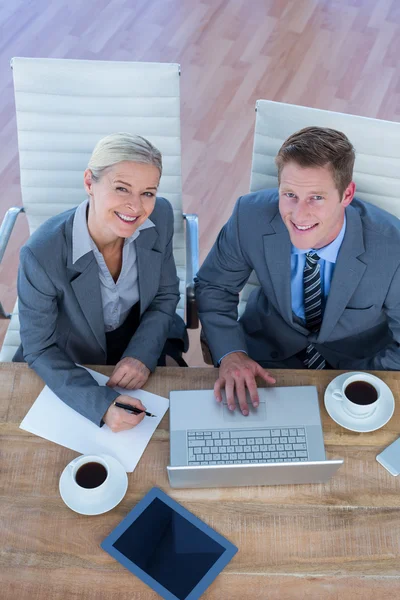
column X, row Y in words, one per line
column 169, row 548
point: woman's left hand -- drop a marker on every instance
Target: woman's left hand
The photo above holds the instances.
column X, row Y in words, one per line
column 129, row 373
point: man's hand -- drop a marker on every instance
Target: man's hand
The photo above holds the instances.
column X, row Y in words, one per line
column 129, row 373
column 236, row 373
column 118, row 419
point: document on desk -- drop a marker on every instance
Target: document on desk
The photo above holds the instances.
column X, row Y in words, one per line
column 52, row 419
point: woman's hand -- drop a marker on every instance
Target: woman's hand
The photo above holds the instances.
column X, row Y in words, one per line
column 129, row 373
column 118, row 419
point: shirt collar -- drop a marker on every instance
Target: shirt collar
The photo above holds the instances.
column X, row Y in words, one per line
column 82, row 243
column 329, row 252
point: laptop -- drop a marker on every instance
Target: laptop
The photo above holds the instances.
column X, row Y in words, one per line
column 280, row 442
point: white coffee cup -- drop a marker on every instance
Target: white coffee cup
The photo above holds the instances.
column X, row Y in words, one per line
column 89, row 492
column 351, row 406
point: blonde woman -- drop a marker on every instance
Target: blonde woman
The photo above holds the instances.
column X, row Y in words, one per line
column 97, row 284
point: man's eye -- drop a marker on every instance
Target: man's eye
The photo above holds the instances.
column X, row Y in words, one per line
column 317, row 197
column 290, row 195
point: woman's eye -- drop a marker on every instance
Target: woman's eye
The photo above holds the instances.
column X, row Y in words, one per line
column 121, row 189
column 149, row 194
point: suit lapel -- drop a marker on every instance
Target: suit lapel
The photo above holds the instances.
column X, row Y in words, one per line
column 348, row 272
column 85, row 283
column 86, row 287
column 149, row 264
column 277, row 256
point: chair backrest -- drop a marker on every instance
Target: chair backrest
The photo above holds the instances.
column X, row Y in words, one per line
column 65, row 106
column 377, row 145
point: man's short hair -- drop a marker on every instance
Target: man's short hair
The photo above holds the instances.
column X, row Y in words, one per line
column 320, row 147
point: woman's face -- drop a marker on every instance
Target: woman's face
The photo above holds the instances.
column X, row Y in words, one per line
column 121, row 200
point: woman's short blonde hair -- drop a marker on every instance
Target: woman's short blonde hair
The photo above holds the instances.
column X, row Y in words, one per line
column 118, row 147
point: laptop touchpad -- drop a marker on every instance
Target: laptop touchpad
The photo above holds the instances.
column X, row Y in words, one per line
column 255, row 414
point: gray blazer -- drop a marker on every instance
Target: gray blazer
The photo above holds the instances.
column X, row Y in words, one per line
column 361, row 322
column 61, row 314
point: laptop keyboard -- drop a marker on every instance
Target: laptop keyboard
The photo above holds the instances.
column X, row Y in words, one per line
column 211, row 447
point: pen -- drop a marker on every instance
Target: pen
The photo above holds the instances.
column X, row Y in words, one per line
column 132, row 409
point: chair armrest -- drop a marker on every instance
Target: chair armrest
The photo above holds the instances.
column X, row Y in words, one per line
column 7, row 226
column 205, row 349
column 5, row 232
column 192, row 266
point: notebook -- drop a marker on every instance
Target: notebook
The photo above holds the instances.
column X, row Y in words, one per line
column 50, row 418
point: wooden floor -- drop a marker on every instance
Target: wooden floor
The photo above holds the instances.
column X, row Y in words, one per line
column 334, row 54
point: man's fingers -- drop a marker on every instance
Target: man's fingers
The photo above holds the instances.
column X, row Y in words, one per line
column 265, row 375
column 218, row 385
column 241, row 394
column 252, row 387
column 230, row 393
column 236, row 374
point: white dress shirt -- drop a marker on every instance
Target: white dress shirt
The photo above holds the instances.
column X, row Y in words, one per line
column 119, row 296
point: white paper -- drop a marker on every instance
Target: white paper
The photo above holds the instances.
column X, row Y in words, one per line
column 52, row 419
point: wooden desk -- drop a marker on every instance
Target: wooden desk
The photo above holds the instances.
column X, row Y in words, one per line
column 336, row 541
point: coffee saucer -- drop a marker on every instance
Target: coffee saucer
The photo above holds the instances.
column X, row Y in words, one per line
column 116, row 490
column 378, row 417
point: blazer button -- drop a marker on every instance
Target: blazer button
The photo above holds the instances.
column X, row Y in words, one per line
column 274, row 354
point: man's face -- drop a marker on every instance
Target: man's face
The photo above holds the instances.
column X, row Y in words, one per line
column 310, row 205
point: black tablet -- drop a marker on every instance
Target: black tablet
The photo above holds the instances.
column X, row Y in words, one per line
column 169, row 548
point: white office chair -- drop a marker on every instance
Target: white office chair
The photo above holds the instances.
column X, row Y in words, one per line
column 63, row 108
column 377, row 145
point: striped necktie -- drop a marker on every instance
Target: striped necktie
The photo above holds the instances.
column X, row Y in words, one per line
column 313, row 307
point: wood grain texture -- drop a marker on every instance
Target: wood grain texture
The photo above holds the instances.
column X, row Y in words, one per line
column 336, row 541
column 330, row 54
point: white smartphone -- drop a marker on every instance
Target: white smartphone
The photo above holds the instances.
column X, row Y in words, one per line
column 390, row 458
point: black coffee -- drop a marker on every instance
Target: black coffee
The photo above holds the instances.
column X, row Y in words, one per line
column 91, row 475
column 361, row 392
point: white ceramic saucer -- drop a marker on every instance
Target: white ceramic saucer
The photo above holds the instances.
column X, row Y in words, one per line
column 378, row 418
column 117, row 487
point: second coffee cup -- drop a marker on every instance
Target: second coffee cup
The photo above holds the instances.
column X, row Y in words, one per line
column 360, row 394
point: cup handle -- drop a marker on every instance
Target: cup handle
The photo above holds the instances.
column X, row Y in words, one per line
column 337, row 394
column 72, row 464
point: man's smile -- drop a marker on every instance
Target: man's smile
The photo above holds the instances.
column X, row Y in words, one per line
column 304, row 227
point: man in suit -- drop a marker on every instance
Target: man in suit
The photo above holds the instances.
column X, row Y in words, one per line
column 328, row 265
